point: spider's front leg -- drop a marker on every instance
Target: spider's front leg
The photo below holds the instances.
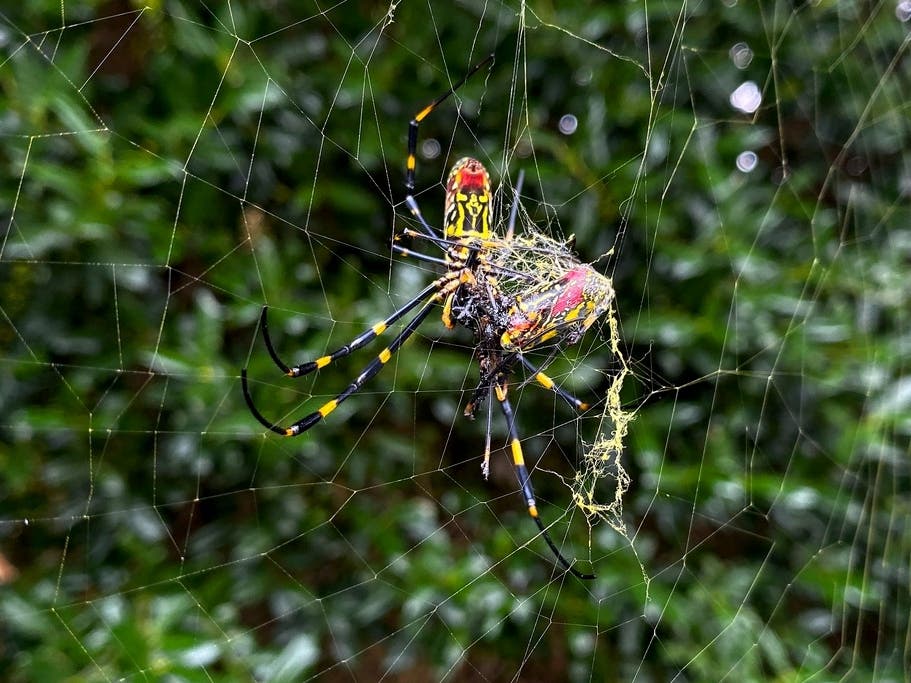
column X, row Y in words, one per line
column 438, row 290
column 358, row 342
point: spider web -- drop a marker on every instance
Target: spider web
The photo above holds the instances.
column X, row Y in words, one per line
column 740, row 486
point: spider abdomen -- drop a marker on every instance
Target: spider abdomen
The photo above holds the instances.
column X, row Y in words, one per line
column 557, row 311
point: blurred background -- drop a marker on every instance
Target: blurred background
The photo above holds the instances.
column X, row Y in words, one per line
column 740, row 170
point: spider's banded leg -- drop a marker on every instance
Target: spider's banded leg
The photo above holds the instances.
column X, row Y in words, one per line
column 423, row 114
column 361, row 340
column 548, row 383
column 537, row 374
column 418, row 255
column 369, row 371
column 525, row 481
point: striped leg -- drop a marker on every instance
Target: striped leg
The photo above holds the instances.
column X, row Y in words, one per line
column 424, row 113
column 370, row 371
column 361, row 340
column 525, row 480
column 548, row 383
column 540, row 377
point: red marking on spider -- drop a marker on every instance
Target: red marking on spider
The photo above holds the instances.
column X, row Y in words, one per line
column 470, row 175
column 572, row 292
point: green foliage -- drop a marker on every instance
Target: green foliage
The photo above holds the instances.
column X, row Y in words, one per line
column 169, row 169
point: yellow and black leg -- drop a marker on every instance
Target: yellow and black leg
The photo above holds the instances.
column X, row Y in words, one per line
column 528, row 493
column 503, row 368
column 358, row 342
column 424, row 113
column 548, row 383
column 369, row 371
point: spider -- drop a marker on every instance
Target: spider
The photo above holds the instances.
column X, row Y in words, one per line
column 515, row 294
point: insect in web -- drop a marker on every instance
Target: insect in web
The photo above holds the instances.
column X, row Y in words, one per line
column 515, row 294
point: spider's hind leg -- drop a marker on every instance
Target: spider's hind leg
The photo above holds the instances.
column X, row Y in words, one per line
column 545, row 381
column 525, row 479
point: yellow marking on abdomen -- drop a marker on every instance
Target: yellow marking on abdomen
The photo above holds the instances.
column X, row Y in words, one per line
column 328, row 408
column 533, row 510
column 379, row 328
column 501, row 393
column 323, row 362
column 385, row 355
column 573, row 314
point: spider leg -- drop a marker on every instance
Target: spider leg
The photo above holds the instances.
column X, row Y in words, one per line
column 368, row 372
column 489, row 377
column 441, row 242
column 361, row 340
column 415, row 210
column 546, row 382
column 424, row 113
column 474, row 248
column 418, row 255
column 525, row 480
column 539, row 376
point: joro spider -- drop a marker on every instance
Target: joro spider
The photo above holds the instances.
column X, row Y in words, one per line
column 514, row 293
